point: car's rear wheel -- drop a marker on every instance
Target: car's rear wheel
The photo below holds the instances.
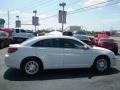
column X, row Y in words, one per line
column 102, row 64
column 31, row 67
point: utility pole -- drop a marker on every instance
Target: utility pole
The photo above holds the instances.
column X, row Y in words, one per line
column 8, row 18
column 62, row 5
column 35, row 12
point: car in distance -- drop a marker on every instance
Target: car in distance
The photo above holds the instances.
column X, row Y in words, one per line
column 20, row 35
column 108, row 44
column 83, row 38
column 57, row 52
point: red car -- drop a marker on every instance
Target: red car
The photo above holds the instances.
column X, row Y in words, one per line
column 108, row 44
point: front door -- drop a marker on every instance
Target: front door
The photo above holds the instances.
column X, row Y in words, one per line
column 75, row 55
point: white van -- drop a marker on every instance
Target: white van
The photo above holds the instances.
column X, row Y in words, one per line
column 20, row 35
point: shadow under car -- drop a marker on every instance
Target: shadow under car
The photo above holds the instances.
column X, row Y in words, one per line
column 16, row 75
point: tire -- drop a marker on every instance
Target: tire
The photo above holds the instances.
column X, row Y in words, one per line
column 101, row 64
column 31, row 67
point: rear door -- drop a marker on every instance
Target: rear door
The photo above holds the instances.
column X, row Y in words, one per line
column 48, row 50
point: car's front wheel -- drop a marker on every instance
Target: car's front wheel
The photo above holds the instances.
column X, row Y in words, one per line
column 31, row 67
column 102, row 64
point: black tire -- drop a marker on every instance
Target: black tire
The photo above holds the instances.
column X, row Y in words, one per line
column 31, row 67
column 101, row 64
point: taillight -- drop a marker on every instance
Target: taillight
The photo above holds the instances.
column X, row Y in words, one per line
column 12, row 50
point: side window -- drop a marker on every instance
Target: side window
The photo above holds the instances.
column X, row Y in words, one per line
column 66, row 43
column 17, row 30
column 43, row 43
column 77, row 44
column 56, row 43
column 47, row 43
column 23, row 31
column 69, row 43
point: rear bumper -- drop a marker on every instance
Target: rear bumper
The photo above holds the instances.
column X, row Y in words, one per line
column 11, row 62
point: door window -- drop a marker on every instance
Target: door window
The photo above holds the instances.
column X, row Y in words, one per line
column 69, row 43
column 47, row 43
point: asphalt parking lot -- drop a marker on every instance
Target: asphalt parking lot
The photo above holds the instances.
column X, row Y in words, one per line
column 73, row 79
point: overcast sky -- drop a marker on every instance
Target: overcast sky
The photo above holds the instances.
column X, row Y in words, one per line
column 103, row 18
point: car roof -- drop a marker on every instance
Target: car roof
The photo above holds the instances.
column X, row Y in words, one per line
column 52, row 36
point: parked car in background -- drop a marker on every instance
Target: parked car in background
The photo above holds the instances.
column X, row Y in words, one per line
column 57, row 52
column 80, row 32
column 68, row 33
column 4, row 40
column 20, row 35
column 108, row 44
column 84, row 38
column 92, row 39
column 5, row 37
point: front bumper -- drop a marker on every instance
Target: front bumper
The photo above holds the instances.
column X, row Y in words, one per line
column 113, row 61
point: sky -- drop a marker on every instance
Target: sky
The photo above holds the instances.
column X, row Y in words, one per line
column 103, row 18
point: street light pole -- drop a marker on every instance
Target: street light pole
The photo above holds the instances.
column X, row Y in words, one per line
column 35, row 12
column 62, row 5
column 8, row 19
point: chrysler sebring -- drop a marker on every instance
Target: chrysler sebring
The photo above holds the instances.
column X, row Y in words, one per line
column 57, row 52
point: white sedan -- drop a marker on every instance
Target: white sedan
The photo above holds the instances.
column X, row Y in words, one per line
column 57, row 52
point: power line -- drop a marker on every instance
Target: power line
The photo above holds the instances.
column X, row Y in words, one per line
column 86, row 9
column 39, row 4
column 49, row 3
column 68, row 4
column 83, row 8
column 72, row 3
column 98, row 4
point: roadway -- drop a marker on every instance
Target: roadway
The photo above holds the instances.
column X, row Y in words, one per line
column 73, row 79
